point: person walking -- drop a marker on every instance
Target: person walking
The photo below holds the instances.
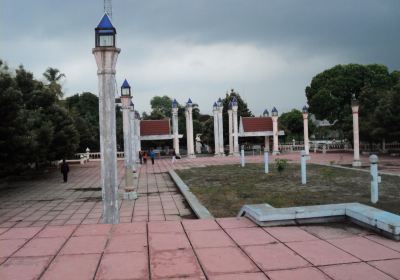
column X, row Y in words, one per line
column 64, row 170
column 144, row 157
column 152, row 156
column 141, row 157
column 173, row 156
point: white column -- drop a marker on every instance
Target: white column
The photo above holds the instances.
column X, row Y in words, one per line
column 275, row 136
column 306, row 142
column 220, row 131
column 138, row 141
column 216, row 131
column 356, row 146
column 191, row 138
column 133, row 141
column 126, row 126
column 235, row 130
column 106, row 59
column 230, row 131
column 175, row 129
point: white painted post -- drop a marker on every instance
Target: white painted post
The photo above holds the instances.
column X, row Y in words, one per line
column 125, row 100
column 189, row 129
column 305, row 125
column 87, row 153
column 375, row 179
column 216, row 130
column 106, row 55
column 235, row 127
column 303, row 168
column 133, row 141
column 356, row 146
column 230, row 117
column 266, row 143
column 266, row 161
column 138, row 139
column 242, row 162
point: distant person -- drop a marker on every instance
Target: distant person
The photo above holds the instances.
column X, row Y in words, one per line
column 64, row 170
column 145, row 157
column 152, row 156
column 141, row 157
column 173, row 156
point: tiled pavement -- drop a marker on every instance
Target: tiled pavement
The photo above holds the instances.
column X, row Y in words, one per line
column 228, row 248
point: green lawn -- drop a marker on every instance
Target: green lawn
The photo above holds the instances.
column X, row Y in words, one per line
column 224, row 189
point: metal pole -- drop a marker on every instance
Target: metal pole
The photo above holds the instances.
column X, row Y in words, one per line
column 266, row 162
column 375, row 179
column 242, row 162
column 303, row 168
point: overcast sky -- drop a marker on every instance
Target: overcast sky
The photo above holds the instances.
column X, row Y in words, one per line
column 267, row 50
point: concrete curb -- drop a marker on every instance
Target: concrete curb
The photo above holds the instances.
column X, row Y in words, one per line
column 198, row 208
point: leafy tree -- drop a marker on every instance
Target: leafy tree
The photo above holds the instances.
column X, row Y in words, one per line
column 292, row 123
column 161, row 107
column 54, row 76
column 330, row 92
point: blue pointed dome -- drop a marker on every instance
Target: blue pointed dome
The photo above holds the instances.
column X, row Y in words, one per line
column 234, row 101
column 125, row 84
column 266, row 113
column 190, row 101
column 230, row 105
column 174, row 104
column 105, row 23
column 219, row 99
column 215, row 104
column 274, row 110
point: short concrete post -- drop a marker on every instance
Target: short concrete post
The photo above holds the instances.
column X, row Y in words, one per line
column 303, row 168
column 305, row 126
column 242, row 162
column 375, row 179
column 235, row 126
column 87, row 154
column 230, row 128
column 356, row 137
column 324, row 148
column 266, row 161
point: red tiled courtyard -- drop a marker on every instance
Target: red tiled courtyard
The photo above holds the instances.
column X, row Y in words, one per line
column 51, row 230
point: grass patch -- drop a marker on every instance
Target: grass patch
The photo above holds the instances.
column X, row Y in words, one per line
column 225, row 189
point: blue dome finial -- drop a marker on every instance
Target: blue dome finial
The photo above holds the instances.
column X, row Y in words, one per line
column 174, row 104
column 105, row 23
column 125, row 84
column 266, row 113
column 190, row 101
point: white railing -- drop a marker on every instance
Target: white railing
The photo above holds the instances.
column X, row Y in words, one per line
column 95, row 156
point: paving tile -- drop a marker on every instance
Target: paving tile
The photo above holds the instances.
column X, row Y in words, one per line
column 127, row 243
column 41, row 247
column 320, row 252
column 9, row 246
column 328, row 232
column 165, row 226
column 86, row 230
column 57, row 231
column 18, row 233
column 132, row 265
column 240, row 276
column 235, row 223
column 274, row 256
column 289, row 234
column 84, row 245
column 392, row 244
column 365, row 249
column 391, row 267
column 225, row 260
column 354, row 271
column 3, row 230
column 210, row 238
column 23, row 268
column 306, row 273
column 68, row 267
column 177, row 263
column 168, row 241
column 201, row 224
column 250, row 236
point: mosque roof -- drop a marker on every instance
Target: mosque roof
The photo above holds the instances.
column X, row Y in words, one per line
column 257, row 124
column 155, row 127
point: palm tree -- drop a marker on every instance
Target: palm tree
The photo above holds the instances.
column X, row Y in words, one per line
column 53, row 76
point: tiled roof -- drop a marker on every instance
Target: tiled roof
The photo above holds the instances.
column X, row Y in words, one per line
column 154, row 127
column 255, row 124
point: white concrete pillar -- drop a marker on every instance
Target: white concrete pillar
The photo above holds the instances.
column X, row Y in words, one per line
column 189, row 129
column 266, row 162
column 356, row 139
column 126, row 126
column 275, row 131
column 242, row 159
column 106, row 55
column 375, row 179
column 221, row 131
column 235, row 127
column 137, row 134
column 303, row 162
column 216, row 129
column 305, row 125
column 230, row 117
column 175, row 128
column 134, row 155
column 266, row 144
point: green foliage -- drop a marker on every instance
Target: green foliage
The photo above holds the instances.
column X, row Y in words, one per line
column 292, row 123
column 280, row 164
column 329, row 96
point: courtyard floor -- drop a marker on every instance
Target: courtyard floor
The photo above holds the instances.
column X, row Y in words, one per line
column 51, row 230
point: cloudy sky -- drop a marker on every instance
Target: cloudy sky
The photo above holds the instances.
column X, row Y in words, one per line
column 268, row 50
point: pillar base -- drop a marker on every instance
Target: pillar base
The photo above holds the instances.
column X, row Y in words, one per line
column 131, row 195
column 356, row 163
column 275, row 153
column 191, row 156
